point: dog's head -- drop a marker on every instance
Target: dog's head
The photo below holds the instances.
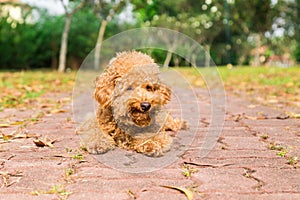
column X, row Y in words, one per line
column 118, row 67
column 139, row 96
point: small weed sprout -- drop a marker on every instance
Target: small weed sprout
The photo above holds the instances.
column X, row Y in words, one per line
column 293, row 160
column 187, row 170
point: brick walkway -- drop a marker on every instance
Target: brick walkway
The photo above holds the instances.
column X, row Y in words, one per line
column 252, row 159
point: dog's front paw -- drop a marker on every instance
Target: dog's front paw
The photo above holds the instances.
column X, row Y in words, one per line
column 175, row 124
column 99, row 147
column 155, row 146
column 150, row 148
column 94, row 140
column 184, row 125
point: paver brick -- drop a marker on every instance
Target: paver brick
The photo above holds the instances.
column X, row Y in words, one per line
column 240, row 165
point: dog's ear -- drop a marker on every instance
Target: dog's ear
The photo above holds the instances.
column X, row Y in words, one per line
column 165, row 91
column 105, row 85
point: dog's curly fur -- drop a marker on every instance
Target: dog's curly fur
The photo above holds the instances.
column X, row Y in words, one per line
column 130, row 113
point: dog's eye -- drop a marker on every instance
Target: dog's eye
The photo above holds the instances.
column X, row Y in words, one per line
column 129, row 88
column 149, row 88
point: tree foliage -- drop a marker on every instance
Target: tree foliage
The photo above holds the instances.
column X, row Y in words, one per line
column 18, row 41
column 258, row 23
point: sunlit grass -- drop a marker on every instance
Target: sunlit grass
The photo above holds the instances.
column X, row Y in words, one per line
column 44, row 78
column 18, row 88
column 270, row 80
column 262, row 75
column 266, row 84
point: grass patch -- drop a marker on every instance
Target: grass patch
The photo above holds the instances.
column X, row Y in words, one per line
column 264, row 84
column 293, row 160
column 59, row 190
column 282, row 153
column 20, row 89
column 188, row 170
column 276, row 147
column 78, row 156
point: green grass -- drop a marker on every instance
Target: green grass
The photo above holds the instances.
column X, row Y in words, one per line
column 273, row 76
column 261, row 75
column 268, row 84
column 43, row 79
column 19, row 89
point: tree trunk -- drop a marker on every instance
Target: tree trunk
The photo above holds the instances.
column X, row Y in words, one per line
column 193, row 55
column 193, row 60
column 207, row 56
column 54, row 61
column 257, row 52
column 168, row 59
column 297, row 31
column 98, row 44
column 176, row 61
column 298, row 20
column 64, row 44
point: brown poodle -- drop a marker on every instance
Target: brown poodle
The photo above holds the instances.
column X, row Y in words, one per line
column 131, row 112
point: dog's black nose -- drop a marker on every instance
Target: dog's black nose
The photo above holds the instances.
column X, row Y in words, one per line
column 145, row 106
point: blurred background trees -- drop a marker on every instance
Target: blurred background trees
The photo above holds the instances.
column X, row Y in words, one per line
column 257, row 32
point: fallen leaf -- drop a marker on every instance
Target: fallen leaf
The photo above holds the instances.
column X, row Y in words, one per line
column 10, row 156
column 11, row 124
column 27, row 88
column 188, row 193
column 251, row 106
column 4, row 125
column 289, row 84
column 46, row 105
column 7, row 178
column 61, row 155
column 17, row 134
column 282, row 116
column 198, row 82
column 25, row 135
column 17, row 123
column 62, row 100
column 260, row 117
column 294, row 115
column 35, row 193
column 6, row 137
column 43, row 142
column 250, row 117
column 131, row 194
column 273, row 101
column 58, row 111
column 238, row 117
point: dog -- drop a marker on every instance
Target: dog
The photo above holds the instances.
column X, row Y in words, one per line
column 131, row 113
